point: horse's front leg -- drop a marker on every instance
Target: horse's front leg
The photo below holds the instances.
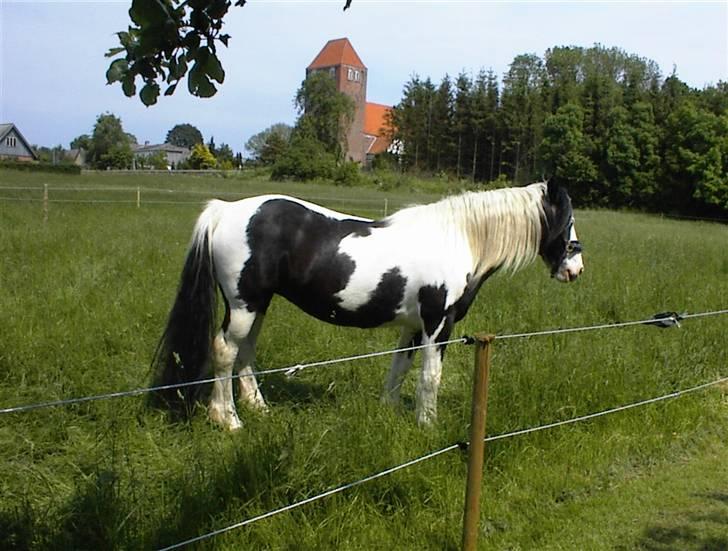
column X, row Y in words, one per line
column 401, row 363
column 429, row 380
column 428, row 384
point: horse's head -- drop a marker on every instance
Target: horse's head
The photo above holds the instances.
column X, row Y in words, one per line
column 560, row 248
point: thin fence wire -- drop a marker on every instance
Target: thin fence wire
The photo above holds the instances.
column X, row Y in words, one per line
column 237, row 194
column 311, row 499
column 293, row 369
column 671, row 319
column 148, row 191
column 290, row 371
column 433, row 454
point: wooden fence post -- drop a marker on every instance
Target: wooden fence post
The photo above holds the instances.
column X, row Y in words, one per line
column 476, row 447
column 139, row 196
column 45, row 203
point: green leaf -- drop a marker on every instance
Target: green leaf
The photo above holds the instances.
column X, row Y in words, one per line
column 191, row 41
column 114, row 51
column 169, row 91
column 146, row 13
column 224, row 38
column 149, row 94
column 214, row 69
column 199, row 21
column 128, row 85
column 181, row 67
column 125, row 38
column 172, row 67
column 117, row 71
column 198, row 84
column 151, row 40
column 218, row 9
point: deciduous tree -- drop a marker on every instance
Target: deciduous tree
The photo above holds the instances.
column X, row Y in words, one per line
column 110, row 146
column 184, row 135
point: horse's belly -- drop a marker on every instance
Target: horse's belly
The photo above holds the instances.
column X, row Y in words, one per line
column 371, row 305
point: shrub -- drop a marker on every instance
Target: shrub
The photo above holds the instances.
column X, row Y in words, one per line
column 348, row 174
column 305, row 159
column 40, row 167
column 200, row 158
column 387, row 180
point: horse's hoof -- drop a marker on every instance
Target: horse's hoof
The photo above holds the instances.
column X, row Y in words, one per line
column 426, row 419
column 228, row 422
column 256, row 407
column 232, row 427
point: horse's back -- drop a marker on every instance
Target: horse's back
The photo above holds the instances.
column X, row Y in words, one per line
column 279, row 244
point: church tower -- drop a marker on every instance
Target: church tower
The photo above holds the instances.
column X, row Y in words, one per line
column 339, row 58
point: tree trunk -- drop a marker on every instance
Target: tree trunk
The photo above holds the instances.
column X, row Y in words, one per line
column 460, row 141
column 475, row 156
column 492, row 155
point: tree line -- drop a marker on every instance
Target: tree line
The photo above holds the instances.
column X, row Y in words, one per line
column 109, row 146
column 604, row 121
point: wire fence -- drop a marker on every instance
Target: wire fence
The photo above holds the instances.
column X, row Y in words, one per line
column 436, row 453
column 662, row 320
column 666, row 319
column 141, row 196
column 146, row 192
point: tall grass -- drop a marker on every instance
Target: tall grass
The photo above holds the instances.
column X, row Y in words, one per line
column 83, row 300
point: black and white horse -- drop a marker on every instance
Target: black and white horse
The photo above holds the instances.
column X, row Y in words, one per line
column 419, row 268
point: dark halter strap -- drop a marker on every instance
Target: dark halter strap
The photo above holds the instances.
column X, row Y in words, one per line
column 573, row 246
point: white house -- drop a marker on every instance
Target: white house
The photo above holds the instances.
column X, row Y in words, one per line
column 13, row 145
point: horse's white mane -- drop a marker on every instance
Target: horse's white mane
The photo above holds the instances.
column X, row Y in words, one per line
column 503, row 227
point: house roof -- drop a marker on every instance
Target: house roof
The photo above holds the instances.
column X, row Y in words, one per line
column 375, row 118
column 166, row 147
column 6, row 128
column 337, row 52
column 375, row 127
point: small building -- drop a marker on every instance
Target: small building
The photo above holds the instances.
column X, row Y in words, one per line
column 174, row 153
column 367, row 135
column 76, row 156
column 13, row 145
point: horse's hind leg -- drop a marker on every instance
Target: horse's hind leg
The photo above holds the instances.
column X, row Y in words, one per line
column 249, row 393
column 401, row 363
column 225, row 349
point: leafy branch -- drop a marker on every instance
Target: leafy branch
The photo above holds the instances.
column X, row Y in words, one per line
column 168, row 40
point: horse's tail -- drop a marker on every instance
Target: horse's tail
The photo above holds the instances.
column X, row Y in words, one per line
column 184, row 349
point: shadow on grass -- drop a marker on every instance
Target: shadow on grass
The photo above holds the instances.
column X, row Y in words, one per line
column 204, row 500
column 279, row 389
column 105, row 513
column 704, row 528
column 17, row 529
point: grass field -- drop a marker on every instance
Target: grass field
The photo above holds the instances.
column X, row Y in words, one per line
column 84, row 297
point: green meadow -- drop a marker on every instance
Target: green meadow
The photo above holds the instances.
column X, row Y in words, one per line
column 85, row 296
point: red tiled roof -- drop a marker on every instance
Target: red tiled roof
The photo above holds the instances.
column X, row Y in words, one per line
column 337, row 52
column 375, row 124
column 375, row 118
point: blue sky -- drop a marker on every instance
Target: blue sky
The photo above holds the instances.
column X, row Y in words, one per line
column 52, row 67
